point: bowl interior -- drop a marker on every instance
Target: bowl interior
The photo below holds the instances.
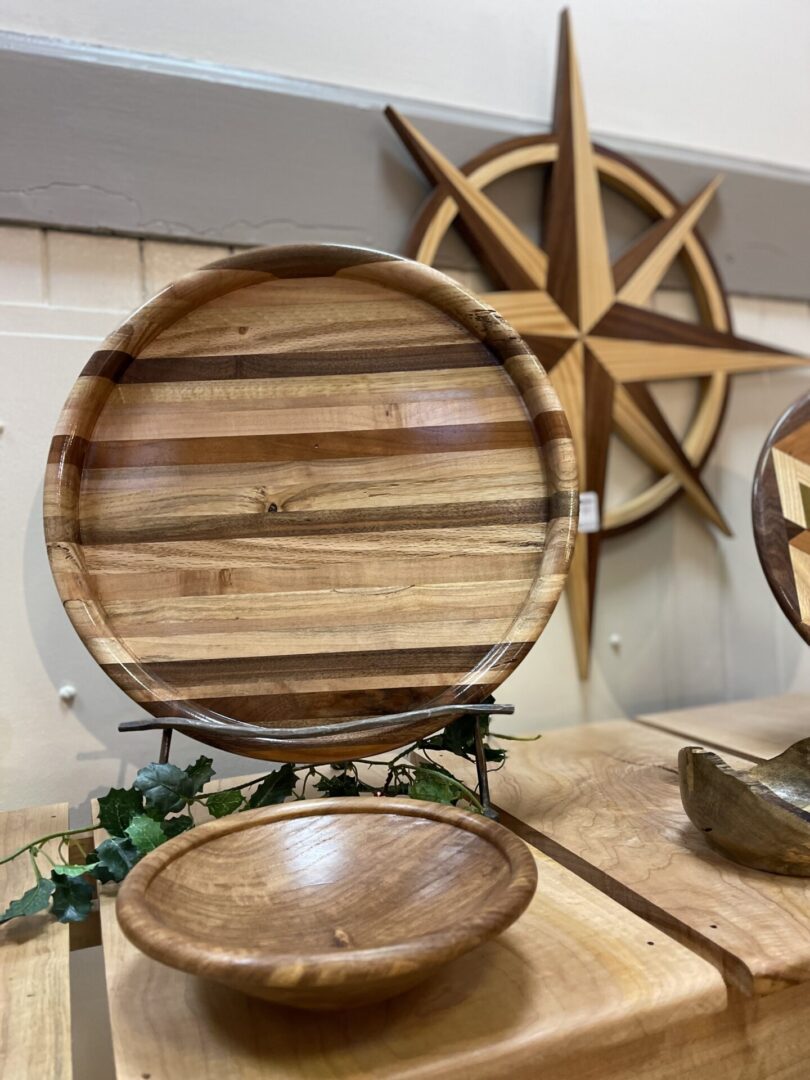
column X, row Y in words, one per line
column 314, row 884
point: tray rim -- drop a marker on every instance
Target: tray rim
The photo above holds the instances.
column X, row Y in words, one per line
column 257, row 266
column 325, row 969
column 767, row 517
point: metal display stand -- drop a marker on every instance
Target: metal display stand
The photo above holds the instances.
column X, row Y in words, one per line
column 266, row 736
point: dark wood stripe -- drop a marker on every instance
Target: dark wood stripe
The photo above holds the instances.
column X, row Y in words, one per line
column 564, row 504
column 333, row 665
column 792, row 530
column 319, row 522
column 551, row 425
column 68, row 450
column 161, row 369
column 315, row 446
column 108, row 364
column 639, row 324
column 290, row 710
column 548, row 350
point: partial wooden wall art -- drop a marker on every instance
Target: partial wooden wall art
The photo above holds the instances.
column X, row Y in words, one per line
column 781, row 509
column 587, row 316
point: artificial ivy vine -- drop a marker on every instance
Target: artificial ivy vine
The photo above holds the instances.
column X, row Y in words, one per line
column 157, row 807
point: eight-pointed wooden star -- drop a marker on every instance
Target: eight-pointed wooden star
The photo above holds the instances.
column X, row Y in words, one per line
column 584, row 317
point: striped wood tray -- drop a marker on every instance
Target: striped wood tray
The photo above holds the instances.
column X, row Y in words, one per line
column 310, row 484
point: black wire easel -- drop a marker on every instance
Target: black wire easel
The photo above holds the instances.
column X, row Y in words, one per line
column 267, row 737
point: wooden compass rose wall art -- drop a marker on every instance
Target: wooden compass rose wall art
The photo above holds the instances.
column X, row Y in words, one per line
column 586, row 316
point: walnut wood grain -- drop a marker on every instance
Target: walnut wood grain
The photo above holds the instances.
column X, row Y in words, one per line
column 311, row 484
column 604, row 800
column 35, row 961
column 780, row 538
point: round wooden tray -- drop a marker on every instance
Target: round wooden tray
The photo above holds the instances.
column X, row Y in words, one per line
column 773, row 531
column 306, row 485
column 330, row 903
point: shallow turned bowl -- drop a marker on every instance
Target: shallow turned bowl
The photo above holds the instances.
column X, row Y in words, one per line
column 330, row 903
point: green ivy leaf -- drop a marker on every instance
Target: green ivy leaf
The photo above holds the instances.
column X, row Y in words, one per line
column 113, row 859
column 432, row 786
column 343, row 784
column 222, row 803
column 274, row 788
column 117, row 808
column 200, row 773
column 173, row 826
column 33, row 900
column 165, row 788
column 73, row 871
column 72, row 898
column 145, row 833
column 459, row 737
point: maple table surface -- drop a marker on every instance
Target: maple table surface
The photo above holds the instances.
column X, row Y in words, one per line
column 755, row 730
column 642, row 956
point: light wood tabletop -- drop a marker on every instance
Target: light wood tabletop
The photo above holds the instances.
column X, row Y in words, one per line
column 34, row 960
column 603, row 799
column 756, row 730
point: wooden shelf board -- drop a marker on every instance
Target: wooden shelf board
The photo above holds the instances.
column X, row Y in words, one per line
column 35, row 962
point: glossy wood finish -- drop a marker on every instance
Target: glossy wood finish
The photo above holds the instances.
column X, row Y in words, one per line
column 585, row 315
column 760, row 816
column 780, row 521
column 34, row 959
column 604, row 800
column 330, row 903
column 306, row 485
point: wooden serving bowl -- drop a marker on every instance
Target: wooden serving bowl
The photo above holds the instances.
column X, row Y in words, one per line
column 329, row 903
column 759, row 817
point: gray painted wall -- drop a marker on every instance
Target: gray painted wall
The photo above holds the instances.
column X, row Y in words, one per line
column 101, row 139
